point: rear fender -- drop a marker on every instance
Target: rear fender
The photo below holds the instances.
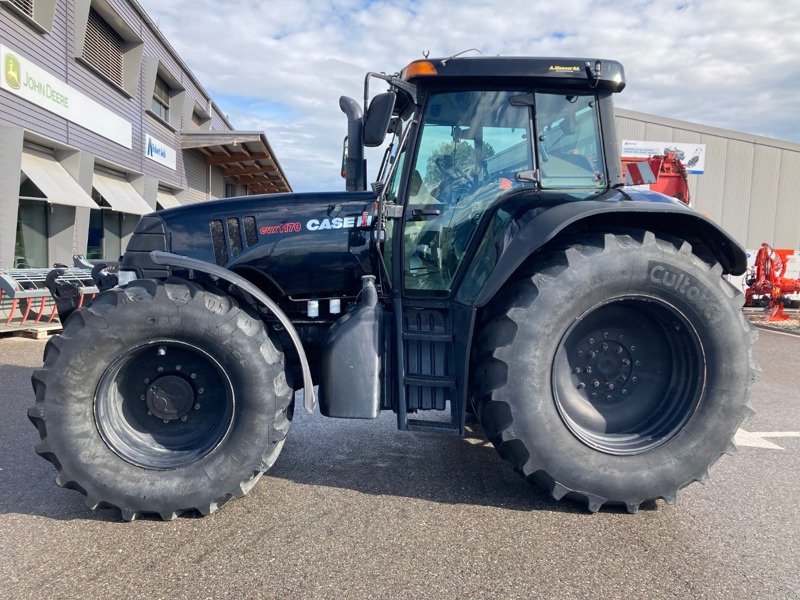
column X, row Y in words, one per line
column 193, row 264
column 534, row 231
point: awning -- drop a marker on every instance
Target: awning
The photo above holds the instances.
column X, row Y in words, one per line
column 54, row 181
column 244, row 156
column 120, row 194
column 167, row 200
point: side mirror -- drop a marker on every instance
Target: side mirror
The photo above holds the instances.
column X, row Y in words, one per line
column 377, row 120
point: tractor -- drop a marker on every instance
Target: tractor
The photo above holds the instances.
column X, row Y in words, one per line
column 495, row 270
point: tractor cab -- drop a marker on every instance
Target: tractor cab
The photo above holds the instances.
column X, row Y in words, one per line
column 473, row 139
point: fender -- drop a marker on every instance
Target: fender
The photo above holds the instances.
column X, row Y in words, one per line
column 193, row 264
column 535, row 228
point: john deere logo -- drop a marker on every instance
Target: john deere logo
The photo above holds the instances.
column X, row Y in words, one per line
column 12, row 71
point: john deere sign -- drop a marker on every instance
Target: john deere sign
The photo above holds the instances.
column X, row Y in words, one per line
column 32, row 83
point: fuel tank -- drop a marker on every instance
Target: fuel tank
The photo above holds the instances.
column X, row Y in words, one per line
column 299, row 245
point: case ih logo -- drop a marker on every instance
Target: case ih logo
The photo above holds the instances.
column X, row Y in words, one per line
column 12, row 71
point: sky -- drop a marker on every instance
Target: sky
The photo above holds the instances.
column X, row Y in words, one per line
column 279, row 66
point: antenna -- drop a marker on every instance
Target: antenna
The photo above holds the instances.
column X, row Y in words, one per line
column 449, row 58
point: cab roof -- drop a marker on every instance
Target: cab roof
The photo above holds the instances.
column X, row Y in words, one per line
column 555, row 71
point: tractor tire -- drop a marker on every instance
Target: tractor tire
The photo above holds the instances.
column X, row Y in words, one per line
column 161, row 398
column 618, row 372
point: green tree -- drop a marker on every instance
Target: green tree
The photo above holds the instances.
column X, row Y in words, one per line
column 464, row 159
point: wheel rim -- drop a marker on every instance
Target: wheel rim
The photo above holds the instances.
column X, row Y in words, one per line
column 163, row 405
column 628, row 375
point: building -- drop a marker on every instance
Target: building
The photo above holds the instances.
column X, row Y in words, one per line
column 749, row 183
column 101, row 122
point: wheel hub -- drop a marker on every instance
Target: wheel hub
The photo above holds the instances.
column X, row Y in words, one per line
column 628, row 375
column 164, row 405
column 170, row 397
column 605, row 366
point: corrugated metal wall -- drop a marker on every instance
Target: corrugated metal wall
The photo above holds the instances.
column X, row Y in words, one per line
column 750, row 185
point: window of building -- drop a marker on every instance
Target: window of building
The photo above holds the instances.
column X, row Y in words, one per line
column 161, row 98
column 104, row 48
column 105, row 235
column 200, row 120
column 38, row 13
column 30, row 249
column 107, row 44
column 26, row 6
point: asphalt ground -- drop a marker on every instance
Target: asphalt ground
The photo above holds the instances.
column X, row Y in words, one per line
column 359, row 509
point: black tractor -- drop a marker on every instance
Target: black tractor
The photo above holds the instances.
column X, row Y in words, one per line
column 497, row 270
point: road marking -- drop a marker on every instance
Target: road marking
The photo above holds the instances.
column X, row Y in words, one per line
column 756, row 439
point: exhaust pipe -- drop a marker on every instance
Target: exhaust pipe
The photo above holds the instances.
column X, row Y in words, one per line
column 355, row 166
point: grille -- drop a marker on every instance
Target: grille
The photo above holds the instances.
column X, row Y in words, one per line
column 235, row 235
column 218, row 240
column 25, row 6
column 250, row 233
column 104, row 48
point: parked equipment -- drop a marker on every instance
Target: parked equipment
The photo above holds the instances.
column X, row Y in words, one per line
column 26, row 301
column 766, row 284
column 664, row 173
column 497, row 267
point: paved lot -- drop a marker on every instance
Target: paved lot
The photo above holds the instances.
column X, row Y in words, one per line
column 357, row 509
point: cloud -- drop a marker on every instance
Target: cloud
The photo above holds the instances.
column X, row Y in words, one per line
column 281, row 66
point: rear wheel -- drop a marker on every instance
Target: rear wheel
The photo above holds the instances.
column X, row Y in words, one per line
column 161, row 397
column 618, row 372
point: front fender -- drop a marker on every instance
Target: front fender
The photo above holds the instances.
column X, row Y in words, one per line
column 524, row 234
column 193, row 264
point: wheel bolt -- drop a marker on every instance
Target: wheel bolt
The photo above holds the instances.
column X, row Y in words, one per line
column 147, row 381
column 581, row 385
column 183, row 418
column 637, row 363
column 610, row 386
column 624, row 392
column 201, row 390
column 580, row 352
column 197, row 407
column 618, row 350
column 162, row 351
column 149, row 414
column 141, row 397
column 193, row 375
column 160, row 369
column 633, row 348
column 609, row 398
column 588, row 369
column 626, row 362
column 634, row 379
column 166, row 420
column 604, row 346
column 178, row 367
column 591, row 340
column 578, row 369
column 595, row 383
column 622, row 378
column 605, row 335
column 592, row 354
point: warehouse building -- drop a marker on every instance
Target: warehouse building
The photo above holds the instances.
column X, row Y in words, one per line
column 749, row 184
column 101, row 122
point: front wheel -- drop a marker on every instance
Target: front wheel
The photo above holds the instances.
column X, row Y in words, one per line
column 161, row 398
column 618, row 372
